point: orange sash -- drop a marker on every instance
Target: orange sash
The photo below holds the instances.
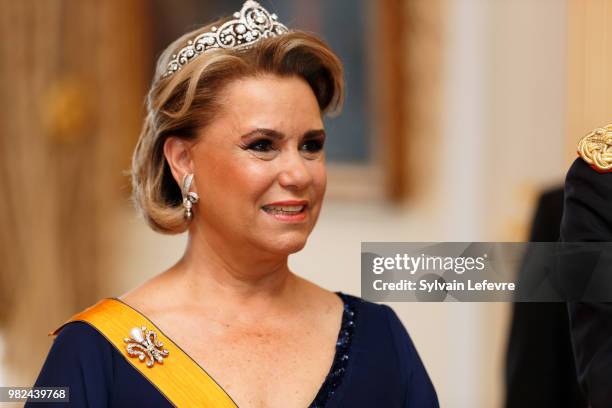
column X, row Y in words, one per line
column 179, row 378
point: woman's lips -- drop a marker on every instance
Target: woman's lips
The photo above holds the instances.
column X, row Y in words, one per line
column 287, row 211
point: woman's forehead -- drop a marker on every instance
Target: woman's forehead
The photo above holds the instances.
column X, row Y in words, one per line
column 270, row 102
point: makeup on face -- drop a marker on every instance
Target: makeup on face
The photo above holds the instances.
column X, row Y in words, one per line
column 261, row 165
column 267, row 143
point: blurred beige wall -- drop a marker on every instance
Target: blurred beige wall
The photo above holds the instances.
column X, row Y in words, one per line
column 589, row 82
column 71, row 105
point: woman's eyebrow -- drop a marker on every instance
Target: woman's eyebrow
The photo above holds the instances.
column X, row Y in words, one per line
column 271, row 133
column 274, row 134
column 314, row 134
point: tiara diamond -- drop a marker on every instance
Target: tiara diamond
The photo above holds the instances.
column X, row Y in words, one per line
column 250, row 24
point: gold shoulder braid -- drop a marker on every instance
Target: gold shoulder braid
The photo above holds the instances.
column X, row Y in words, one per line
column 596, row 149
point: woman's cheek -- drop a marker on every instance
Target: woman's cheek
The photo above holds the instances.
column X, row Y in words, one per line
column 320, row 179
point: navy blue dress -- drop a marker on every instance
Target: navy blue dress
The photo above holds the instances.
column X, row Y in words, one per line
column 376, row 365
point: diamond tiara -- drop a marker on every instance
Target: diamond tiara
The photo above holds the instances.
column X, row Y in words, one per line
column 250, row 24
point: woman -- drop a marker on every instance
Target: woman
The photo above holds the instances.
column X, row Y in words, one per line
column 232, row 152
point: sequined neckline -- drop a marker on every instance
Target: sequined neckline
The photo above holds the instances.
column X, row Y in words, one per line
column 343, row 344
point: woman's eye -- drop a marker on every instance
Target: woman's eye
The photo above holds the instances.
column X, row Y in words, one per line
column 262, row 145
column 312, row 145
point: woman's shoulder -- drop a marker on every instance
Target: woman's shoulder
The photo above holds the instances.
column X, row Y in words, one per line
column 376, row 326
column 369, row 311
column 378, row 329
column 80, row 344
column 79, row 356
column 77, row 334
column 97, row 375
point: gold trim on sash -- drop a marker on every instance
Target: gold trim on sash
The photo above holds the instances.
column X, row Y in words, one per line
column 179, row 378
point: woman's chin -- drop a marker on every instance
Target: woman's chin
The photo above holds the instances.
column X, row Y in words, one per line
column 285, row 245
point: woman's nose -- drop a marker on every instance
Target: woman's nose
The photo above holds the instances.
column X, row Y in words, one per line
column 294, row 172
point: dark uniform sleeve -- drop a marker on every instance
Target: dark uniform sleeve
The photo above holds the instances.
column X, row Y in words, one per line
column 420, row 391
column 587, row 217
column 540, row 369
column 81, row 359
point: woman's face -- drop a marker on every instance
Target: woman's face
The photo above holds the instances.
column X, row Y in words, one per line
column 260, row 166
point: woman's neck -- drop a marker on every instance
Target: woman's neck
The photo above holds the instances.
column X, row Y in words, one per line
column 231, row 278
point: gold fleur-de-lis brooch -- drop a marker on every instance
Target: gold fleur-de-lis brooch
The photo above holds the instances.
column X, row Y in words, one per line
column 143, row 344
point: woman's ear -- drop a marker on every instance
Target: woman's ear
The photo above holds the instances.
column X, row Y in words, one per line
column 178, row 155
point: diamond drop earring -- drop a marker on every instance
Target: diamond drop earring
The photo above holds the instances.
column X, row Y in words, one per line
column 189, row 197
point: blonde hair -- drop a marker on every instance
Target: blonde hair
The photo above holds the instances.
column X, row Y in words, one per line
column 185, row 102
